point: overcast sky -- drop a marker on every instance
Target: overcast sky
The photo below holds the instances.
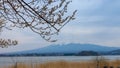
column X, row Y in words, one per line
column 97, row 22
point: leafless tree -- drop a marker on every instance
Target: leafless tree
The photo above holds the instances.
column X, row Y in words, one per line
column 4, row 42
column 44, row 17
column 8, row 42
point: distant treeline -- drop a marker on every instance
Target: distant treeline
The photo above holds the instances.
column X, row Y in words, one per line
column 82, row 53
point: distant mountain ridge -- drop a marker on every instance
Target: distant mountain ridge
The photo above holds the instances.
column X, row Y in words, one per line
column 69, row 48
column 115, row 52
column 73, row 48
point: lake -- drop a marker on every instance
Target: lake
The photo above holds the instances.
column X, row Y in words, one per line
column 41, row 59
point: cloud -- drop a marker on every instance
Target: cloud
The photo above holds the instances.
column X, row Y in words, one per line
column 27, row 40
column 100, row 21
column 86, row 4
column 17, row 34
column 108, row 36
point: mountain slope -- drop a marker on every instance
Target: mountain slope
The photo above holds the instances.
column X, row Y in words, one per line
column 71, row 48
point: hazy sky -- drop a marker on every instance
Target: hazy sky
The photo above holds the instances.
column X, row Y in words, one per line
column 97, row 22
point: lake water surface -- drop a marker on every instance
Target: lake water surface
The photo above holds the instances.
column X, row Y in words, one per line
column 12, row 60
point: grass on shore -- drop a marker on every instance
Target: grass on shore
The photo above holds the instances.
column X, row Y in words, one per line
column 65, row 64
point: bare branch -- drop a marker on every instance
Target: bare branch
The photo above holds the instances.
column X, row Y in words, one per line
column 44, row 17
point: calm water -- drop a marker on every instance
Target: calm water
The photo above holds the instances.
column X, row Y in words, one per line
column 12, row 60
